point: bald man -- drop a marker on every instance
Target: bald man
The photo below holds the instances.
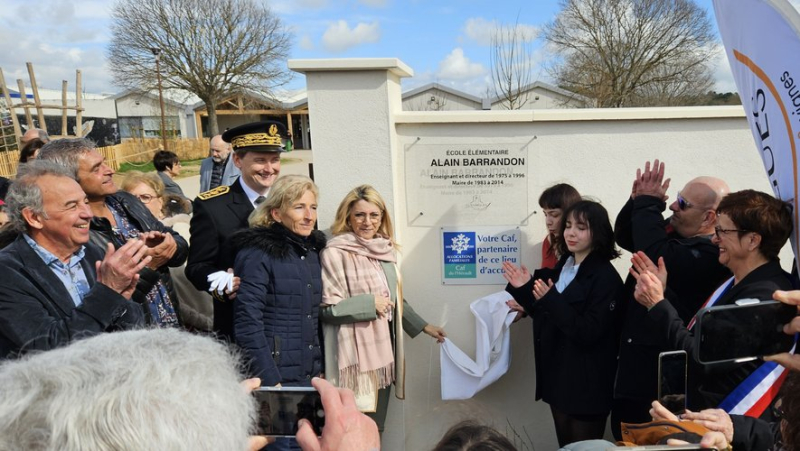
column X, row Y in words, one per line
column 694, row 272
column 32, row 134
column 218, row 169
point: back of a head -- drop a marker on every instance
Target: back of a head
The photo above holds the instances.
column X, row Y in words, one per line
column 146, row 389
column 470, row 435
column 164, row 159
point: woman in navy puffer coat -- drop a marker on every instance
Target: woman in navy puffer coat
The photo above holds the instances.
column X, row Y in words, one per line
column 277, row 304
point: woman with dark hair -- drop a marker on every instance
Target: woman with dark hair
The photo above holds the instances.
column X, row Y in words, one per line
column 554, row 201
column 31, row 150
column 752, row 227
column 574, row 311
column 470, row 435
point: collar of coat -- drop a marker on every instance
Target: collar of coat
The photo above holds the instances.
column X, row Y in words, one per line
column 277, row 241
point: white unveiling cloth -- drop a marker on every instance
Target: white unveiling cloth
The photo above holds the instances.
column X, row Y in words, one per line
column 462, row 376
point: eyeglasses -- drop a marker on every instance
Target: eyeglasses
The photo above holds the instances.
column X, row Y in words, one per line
column 683, row 204
column 718, row 231
column 145, row 198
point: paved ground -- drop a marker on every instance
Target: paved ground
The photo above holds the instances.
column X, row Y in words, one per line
column 295, row 162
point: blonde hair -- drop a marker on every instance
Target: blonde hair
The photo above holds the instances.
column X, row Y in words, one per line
column 286, row 191
column 341, row 223
column 134, row 178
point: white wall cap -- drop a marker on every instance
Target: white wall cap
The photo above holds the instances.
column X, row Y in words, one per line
column 572, row 114
column 393, row 65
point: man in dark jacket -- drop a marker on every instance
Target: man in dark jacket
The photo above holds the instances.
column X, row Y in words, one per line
column 51, row 292
column 120, row 217
column 220, row 212
column 691, row 260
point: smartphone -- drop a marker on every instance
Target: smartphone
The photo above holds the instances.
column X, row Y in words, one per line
column 672, row 381
column 743, row 331
column 279, row 409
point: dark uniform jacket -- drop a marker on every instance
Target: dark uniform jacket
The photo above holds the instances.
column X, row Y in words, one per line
column 694, row 272
column 276, row 310
column 715, row 382
column 142, row 219
column 575, row 344
column 37, row 311
column 217, row 215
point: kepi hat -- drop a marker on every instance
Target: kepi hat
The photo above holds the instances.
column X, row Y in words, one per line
column 264, row 136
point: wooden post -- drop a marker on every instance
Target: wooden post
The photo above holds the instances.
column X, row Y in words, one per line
column 10, row 106
column 64, row 131
column 23, row 98
column 79, row 105
column 36, row 99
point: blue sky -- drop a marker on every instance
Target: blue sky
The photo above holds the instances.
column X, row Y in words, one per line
column 445, row 41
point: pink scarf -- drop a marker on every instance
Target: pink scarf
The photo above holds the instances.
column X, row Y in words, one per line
column 350, row 267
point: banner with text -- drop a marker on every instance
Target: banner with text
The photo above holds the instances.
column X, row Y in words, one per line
column 480, row 183
column 762, row 44
column 475, row 255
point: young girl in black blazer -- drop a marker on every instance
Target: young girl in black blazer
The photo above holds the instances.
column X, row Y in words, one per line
column 574, row 308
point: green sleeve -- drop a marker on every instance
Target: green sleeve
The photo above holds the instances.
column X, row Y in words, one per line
column 356, row 309
column 412, row 322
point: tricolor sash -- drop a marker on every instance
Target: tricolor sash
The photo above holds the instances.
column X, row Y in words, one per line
column 713, row 299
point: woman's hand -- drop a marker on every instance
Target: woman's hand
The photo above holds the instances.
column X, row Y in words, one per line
column 435, row 332
column 516, row 276
column 649, row 291
column 540, row 288
column 790, row 361
column 383, row 305
column 641, row 263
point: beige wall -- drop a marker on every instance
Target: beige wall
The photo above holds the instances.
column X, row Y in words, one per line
column 598, row 151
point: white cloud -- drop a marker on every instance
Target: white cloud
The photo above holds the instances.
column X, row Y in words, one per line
column 456, row 66
column 339, row 37
column 723, row 77
column 481, row 30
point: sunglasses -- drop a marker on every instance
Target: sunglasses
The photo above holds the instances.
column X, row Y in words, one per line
column 683, row 204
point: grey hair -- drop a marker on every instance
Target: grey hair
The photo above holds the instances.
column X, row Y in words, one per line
column 26, row 193
column 145, row 389
column 67, row 152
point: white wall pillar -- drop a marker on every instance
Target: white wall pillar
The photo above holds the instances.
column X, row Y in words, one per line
column 352, row 103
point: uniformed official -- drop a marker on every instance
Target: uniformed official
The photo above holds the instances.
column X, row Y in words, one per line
column 220, row 212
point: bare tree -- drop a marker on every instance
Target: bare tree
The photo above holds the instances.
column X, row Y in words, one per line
column 511, row 60
column 212, row 48
column 632, row 52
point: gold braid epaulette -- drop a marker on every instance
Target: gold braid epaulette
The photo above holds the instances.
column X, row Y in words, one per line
column 210, row 194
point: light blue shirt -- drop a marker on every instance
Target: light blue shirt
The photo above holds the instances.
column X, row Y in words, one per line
column 250, row 193
column 568, row 273
column 70, row 274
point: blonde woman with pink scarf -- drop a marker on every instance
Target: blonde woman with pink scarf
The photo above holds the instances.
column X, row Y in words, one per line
column 362, row 320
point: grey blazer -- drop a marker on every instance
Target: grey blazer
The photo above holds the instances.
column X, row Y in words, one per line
column 228, row 175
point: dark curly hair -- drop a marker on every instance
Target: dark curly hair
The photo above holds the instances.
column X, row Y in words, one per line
column 595, row 217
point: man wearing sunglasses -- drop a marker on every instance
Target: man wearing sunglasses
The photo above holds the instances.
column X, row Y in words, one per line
column 681, row 244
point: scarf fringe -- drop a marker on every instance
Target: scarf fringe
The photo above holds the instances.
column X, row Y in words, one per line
column 366, row 382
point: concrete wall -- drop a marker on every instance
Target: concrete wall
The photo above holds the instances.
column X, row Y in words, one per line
column 359, row 137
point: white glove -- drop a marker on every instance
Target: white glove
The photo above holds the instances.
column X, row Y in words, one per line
column 220, row 281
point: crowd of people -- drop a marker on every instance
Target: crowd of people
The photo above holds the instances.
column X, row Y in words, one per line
column 244, row 265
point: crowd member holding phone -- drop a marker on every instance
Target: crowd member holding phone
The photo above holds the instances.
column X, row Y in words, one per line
column 752, row 228
column 363, row 319
column 574, row 309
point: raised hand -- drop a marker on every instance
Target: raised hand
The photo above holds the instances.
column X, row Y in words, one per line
column 540, row 288
column 641, row 263
column 648, row 291
column 516, row 276
column 650, row 182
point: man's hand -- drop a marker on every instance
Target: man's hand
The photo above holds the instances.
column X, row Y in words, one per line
column 516, row 276
column 346, row 429
column 161, row 246
column 120, row 268
column 790, row 361
column 714, row 420
column 649, row 291
column 641, row 263
column 650, row 182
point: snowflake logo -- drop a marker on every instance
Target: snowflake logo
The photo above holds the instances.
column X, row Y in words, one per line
column 460, row 243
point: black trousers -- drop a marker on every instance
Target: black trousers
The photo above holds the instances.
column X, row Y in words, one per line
column 575, row 428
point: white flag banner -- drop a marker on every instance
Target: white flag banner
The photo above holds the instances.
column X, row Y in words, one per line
column 761, row 39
